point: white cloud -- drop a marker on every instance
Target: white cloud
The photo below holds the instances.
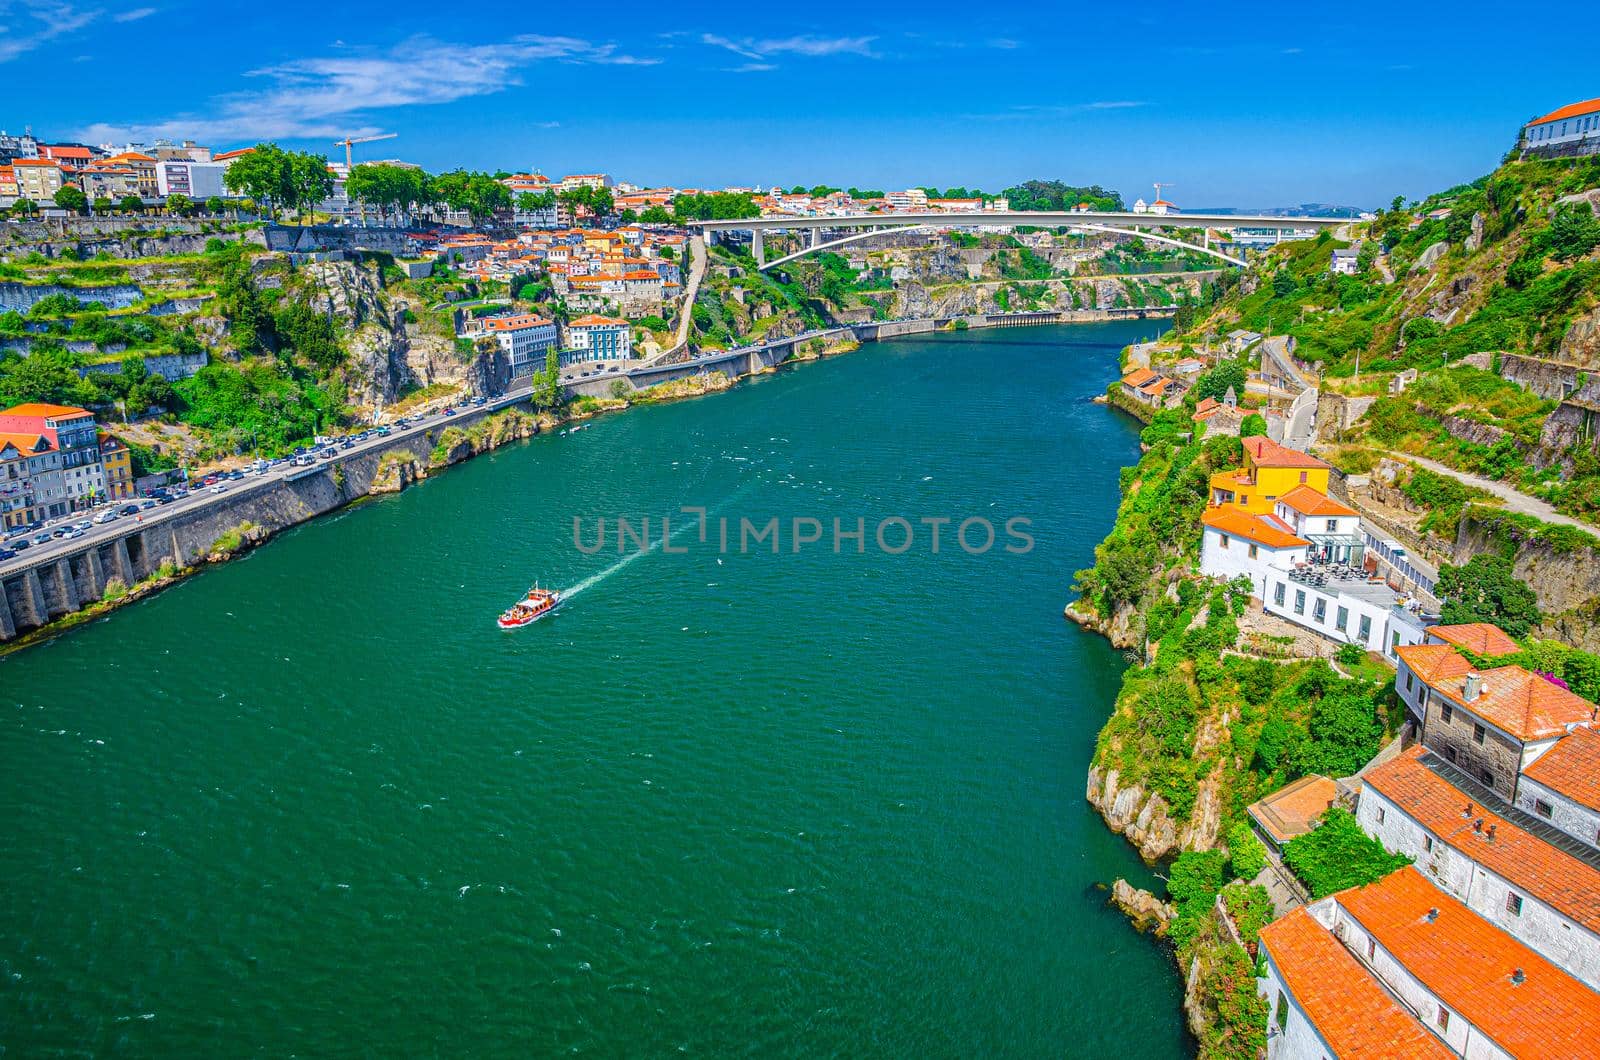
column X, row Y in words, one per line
column 749, row 68
column 31, row 24
column 135, row 15
column 329, row 95
column 758, row 51
column 1039, row 110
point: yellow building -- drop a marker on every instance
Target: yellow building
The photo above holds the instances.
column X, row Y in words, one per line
column 117, row 461
column 1270, row 471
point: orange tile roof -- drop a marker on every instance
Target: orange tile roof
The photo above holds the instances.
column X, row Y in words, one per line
column 1308, row 501
column 1480, row 638
column 594, row 321
column 1292, row 811
column 1138, row 377
column 26, row 443
column 1471, row 966
column 1519, row 702
column 526, row 320
column 1239, row 523
column 1571, row 110
column 1156, row 386
column 38, row 408
column 1571, row 768
column 1434, row 663
column 1266, row 453
column 1527, row 861
column 1354, row 1015
column 52, row 163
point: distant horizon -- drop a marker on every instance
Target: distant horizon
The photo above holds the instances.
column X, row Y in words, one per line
column 1261, row 106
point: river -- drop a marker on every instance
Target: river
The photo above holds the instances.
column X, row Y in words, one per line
column 312, row 802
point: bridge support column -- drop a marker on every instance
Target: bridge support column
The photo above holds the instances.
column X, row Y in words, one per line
column 8, row 625
column 757, row 247
column 121, row 563
column 33, row 598
column 69, row 586
column 816, row 236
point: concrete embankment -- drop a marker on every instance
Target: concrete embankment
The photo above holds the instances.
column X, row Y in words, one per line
column 170, row 541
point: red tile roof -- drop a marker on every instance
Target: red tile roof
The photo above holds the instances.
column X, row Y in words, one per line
column 1519, row 702
column 1293, row 811
column 1571, row 768
column 594, row 321
column 26, row 443
column 1264, row 452
column 38, row 408
column 1138, row 377
column 1351, row 1011
column 1240, row 523
column 1480, row 638
column 1308, row 501
column 1434, row 663
column 1571, row 110
column 1471, row 966
column 1527, row 861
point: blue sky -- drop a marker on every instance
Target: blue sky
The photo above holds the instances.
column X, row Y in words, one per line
column 1246, row 105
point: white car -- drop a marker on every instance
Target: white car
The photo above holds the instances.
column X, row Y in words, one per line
column 106, row 516
column 220, row 487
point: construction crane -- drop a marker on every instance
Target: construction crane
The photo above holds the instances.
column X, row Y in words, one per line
column 1159, row 185
column 347, row 141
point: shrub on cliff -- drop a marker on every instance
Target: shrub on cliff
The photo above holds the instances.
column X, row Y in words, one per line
column 1486, row 589
column 1246, row 856
column 1338, row 854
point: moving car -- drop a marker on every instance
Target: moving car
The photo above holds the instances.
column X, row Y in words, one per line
column 220, row 487
column 105, row 516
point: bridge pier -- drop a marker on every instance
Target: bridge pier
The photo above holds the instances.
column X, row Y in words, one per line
column 66, row 586
column 8, row 625
column 120, row 565
column 816, row 236
column 91, row 575
column 757, row 246
column 33, row 598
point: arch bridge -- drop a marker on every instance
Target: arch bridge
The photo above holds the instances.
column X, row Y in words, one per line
column 1118, row 222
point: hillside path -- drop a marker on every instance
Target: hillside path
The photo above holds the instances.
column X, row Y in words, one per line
column 1515, row 499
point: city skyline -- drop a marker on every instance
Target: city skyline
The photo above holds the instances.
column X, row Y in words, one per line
column 1259, row 108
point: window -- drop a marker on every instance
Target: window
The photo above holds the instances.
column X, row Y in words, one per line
column 1303, row 478
column 1319, row 610
column 1513, row 903
column 1477, row 733
column 1450, row 753
column 1299, row 601
column 1365, row 633
column 1283, row 1010
column 1444, row 1019
column 1381, row 814
column 1542, row 808
column 1343, row 618
column 1427, row 844
column 1222, row 540
column 1252, row 551
column 1446, row 713
column 1372, row 949
column 1410, row 681
column 1333, row 524
column 1277, row 594
column 1486, row 776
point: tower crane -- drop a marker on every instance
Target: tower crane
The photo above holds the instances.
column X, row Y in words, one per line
column 348, row 140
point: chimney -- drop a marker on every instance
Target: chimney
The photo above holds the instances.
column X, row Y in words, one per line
column 1477, row 826
column 1468, row 811
column 1474, row 686
column 1518, row 977
column 1491, row 833
column 1433, row 914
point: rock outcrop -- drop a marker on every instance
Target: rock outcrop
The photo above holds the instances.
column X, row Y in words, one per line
column 1147, row 912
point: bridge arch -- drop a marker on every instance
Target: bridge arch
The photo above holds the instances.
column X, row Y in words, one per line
column 1080, row 226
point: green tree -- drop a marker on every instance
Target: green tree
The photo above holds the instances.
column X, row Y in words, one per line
column 262, row 173
column 1337, row 855
column 1486, row 589
column 1253, row 426
column 131, row 204
column 104, row 204
column 1246, row 856
column 1573, row 231
column 215, row 205
column 179, row 205
column 1223, row 376
column 655, row 215
column 310, row 181
column 24, row 207
column 547, row 384
column 71, row 197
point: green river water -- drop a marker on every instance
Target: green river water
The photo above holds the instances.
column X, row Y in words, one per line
column 313, row 803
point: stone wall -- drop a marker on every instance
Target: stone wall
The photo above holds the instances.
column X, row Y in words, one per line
column 22, row 297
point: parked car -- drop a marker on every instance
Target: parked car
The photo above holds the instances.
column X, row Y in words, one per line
column 73, row 533
column 7, row 553
column 479, row 401
column 42, row 538
column 19, row 545
column 82, row 524
column 105, row 516
column 220, row 487
column 448, row 411
column 128, row 509
column 148, row 503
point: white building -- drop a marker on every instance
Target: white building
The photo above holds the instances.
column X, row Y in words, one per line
column 1519, row 873
column 1467, row 985
column 910, row 199
column 1563, row 786
column 525, row 339
column 597, row 338
column 1570, row 130
column 198, row 180
column 1346, row 261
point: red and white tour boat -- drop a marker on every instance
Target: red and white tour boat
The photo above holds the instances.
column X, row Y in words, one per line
column 530, row 609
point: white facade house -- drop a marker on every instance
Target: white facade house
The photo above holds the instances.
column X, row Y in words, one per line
column 597, row 338
column 1237, row 544
column 525, row 339
column 1491, row 857
column 1346, row 262
column 198, row 180
column 1563, row 786
column 1570, row 130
